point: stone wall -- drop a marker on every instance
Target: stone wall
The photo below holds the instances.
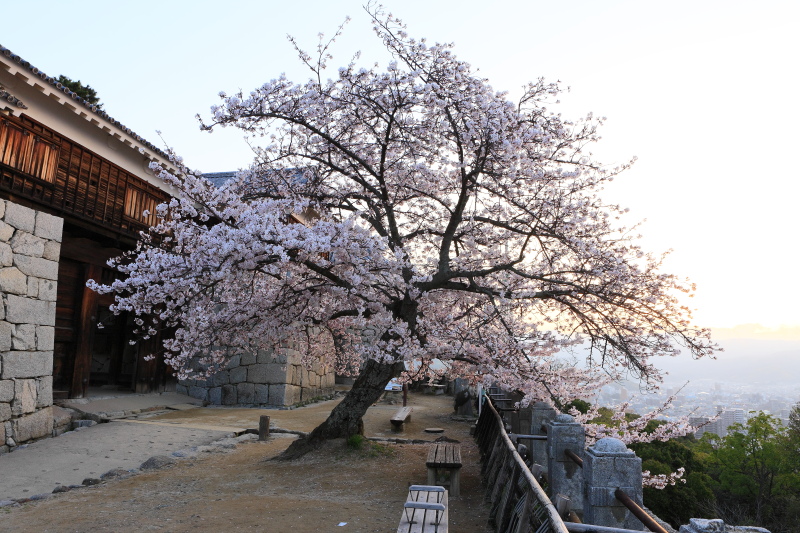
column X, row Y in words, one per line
column 30, row 245
column 266, row 377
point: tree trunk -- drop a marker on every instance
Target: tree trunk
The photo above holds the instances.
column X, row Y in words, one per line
column 346, row 418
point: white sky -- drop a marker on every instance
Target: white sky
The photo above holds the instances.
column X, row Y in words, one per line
column 705, row 93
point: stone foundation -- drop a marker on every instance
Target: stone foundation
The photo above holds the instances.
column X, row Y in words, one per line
column 30, row 245
column 267, row 377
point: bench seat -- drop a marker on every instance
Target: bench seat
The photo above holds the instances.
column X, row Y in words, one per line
column 402, row 416
column 425, row 510
column 444, row 459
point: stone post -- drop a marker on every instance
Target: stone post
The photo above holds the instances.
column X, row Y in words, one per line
column 541, row 413
column 525, row 420
column 263, row 428
column 564, row 474
column 607, row 466
column 513, row 417
column 463, row 398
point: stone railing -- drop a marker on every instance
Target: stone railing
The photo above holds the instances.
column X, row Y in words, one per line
column 600, row 486
column 30, row 245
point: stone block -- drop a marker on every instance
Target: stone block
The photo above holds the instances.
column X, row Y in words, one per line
column 20, row 217
column 267, row 373
column 48, row 290
column 273, row 356
column 238, row 374
column 261, row 394
column 233, row 362
column 33, row 426
column 246, row 393
column 51, row 314
column 2, row 208
column 45, row 338
column 26, row 244
column 44, row 392
column 215, row 395
column 6, row 331
column 182, row 389
column 220, row 378
column 6, row 232
column 291, row 356
column 6, row 390
column 23, row 337
column 265, row 356
column 24, row 397
column 62, row 420
column 33, row 287
column 49, row 226
column 283, row 394
column 229, row 395
column 28, row 311
column 6, row 255
column 52, row 250
column 5, row 414
column 294, row 375
column 37, row 266
column 12, row 281
column 27, row 364
column 201, row 393
column 247, row 358
column 703, row 525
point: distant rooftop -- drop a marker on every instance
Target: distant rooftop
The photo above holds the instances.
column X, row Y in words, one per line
column 254, row 189
column 219, row 178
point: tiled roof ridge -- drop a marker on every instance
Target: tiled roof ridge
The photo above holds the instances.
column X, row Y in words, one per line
column 91, row 107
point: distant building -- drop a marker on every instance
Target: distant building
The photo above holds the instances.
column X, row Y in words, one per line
column 624, row 395
column 727, row 418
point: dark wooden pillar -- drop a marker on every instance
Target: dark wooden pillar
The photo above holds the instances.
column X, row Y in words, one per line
column 87, row 321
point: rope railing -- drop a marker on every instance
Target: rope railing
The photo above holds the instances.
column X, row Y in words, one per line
column 518, row 502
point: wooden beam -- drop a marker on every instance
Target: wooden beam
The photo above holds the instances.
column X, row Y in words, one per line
column 86, row 324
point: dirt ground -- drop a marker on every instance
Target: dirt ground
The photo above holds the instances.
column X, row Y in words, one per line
column 336, row 489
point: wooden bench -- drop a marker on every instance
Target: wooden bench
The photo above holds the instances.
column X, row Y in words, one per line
column 444, row 466
column 425, row 510
column 402, row 416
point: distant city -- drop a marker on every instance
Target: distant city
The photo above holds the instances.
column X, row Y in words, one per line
column 704, row 400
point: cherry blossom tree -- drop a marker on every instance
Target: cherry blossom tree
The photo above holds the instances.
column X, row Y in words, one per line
column 454, row 224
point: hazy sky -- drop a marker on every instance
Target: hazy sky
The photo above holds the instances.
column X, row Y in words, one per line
column 705, row 93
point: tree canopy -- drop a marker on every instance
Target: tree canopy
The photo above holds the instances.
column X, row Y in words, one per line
column 756, row 474
column 454, row 223
column 84, row 91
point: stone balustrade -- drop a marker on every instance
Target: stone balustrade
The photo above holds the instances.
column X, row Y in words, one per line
column 589, row 478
